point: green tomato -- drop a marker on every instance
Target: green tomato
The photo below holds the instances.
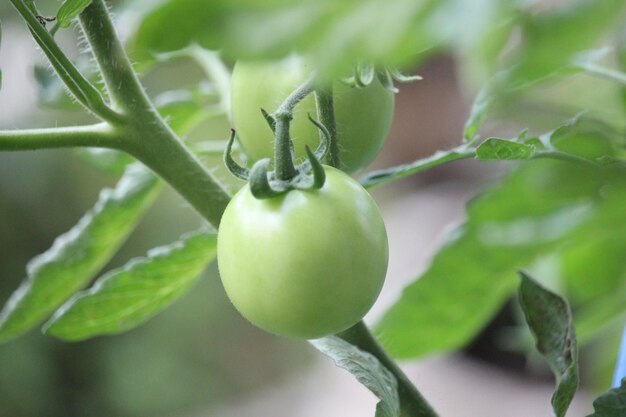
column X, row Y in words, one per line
column 363, row 115
column 307, row 263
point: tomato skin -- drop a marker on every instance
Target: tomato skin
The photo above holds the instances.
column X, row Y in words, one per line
column 363, row 115
column 305, row 264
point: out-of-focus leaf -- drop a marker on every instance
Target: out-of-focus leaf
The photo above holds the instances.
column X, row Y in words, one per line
column 184, row 109
column 537, row 209
column 108, row 161
column 550, row 40
column 550, row 320
column 69, row 10
column 478, row 113
column 612, row 403
column 335, row 34
column 128, row 296
column 503, row 149
column 77, row 256
column 621, row 59
column 50, row 90
column 595, row 316
column 366, row 369
column 491, row 23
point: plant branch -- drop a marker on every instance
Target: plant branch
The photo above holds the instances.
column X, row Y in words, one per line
column 146, row 135
column 326, row 112
column 84, row 92
column 382, row 176
column 412, row 404
column 98, row 136
column 568, row 157
column 120, row 78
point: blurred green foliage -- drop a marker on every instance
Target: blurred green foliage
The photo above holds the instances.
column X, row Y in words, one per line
column 522, row 52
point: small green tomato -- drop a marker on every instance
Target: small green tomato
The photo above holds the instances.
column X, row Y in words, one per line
column 307, row 263
column 363, row 115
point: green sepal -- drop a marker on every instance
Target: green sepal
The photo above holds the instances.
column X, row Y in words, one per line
column 269, row 119
column 259, row 183
column 364, row 74
column 319, row 175
column 237, row 170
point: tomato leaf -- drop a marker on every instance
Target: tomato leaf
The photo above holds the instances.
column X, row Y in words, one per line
column 503, row 149
column 551, row 40
column 612, row 403
column 126, row 297
column 550, row 320
column 541, row 206
column 69, row 10
column 77, row 256
column 366, row 369
column 334, row 34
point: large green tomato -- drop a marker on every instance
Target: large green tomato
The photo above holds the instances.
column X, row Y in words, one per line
column 307, row 263
column 363, row 115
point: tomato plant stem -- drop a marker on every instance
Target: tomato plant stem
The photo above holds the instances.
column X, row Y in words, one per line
column 84, row 92
column 146, row 135
column 412, row 404
column 121, row 81
column 326, row 113
column 98, row 135
column 283, row 156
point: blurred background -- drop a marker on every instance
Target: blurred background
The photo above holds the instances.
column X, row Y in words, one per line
column 199, row 357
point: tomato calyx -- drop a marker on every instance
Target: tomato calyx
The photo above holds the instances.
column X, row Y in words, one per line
column 365, row 72
column 267, row 184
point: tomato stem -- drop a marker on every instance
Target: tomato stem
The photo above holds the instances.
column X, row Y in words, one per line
column 326, row 113
column 79, row 87
column 412, row 404
column 283, row 152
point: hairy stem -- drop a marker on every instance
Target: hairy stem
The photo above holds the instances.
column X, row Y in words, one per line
column 412, row 404
column 99, row 136
column 283, row 159
column 84, row 92
column 119, row 76
column 146, row 135
column 326, row 113
column 169, row 158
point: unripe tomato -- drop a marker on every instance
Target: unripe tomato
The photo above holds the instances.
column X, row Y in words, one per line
column 363, row 115
column 307, row 263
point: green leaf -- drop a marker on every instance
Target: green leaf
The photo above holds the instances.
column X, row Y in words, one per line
column 334, row 34
column 612, row 403
column 367, row 370
column 503, row 149
column 550, row 40
column 183, row 109
column 108, row 161
column 126, row 297
column 537, row 209
column 77, row 256
column 550, row 320
column 69, row 10
column 478, row 113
